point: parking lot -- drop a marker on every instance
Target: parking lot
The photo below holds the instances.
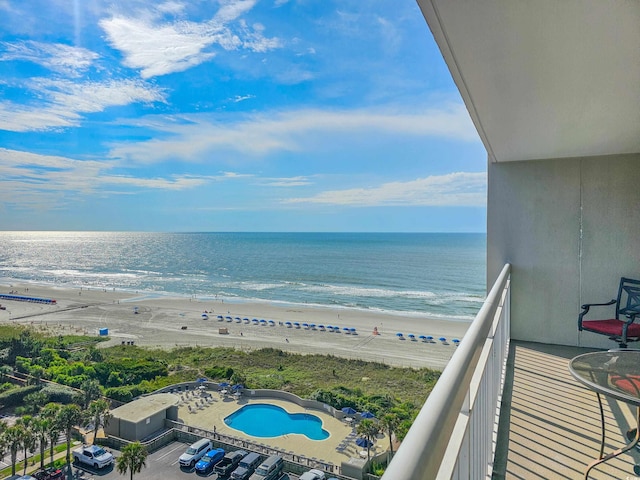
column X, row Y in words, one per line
column 161, row 464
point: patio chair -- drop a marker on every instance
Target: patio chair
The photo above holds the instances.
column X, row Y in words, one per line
column 622, row 328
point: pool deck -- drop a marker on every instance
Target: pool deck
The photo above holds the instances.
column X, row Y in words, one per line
column 213, row 413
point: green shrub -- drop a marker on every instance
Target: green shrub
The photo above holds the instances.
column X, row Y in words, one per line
column 15, row 396
column 219, row 373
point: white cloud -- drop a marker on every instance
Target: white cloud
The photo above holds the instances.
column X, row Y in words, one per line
column 453, row 189
column 157, row 48
column 65, row 59
column 63, row 102
column 198, row 136
column 47, row 181
column 287, row 182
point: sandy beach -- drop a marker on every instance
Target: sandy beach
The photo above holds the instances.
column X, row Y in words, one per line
column 169, row 322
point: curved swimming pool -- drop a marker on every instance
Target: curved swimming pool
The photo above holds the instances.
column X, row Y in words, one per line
column 268, row 421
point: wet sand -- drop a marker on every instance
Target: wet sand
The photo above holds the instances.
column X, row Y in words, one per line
column 177, row 321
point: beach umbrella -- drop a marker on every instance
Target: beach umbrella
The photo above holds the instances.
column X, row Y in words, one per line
column 262, row 320
column 321, row 327
column 312, row 325
column 305, row 325
column 363, row 442
column 237, row 386
column 442, row 339
column 205, row 316
column 256, row 321
column 288, row 324
column 201, row 379
column 367, row 415
column 271, row 322
column 429, row 338
column 349, row 410
column 229, row 319
column 220, row 317
column 296, row 324
column 455, row 341
column 411, row 336
column 422, row 337
column 398, row 335
column 223, row 384
column 346, row 330
column 353, row 330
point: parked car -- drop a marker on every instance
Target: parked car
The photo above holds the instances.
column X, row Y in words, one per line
column 246, row 467
column 211, row 459
column 195, row 452
column 49, row 473
column 312, row 474
column 93, row 455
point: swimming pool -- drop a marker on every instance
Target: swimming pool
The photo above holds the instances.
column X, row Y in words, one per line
column 268, row 421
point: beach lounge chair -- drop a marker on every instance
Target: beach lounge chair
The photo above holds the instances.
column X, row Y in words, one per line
column 622, row 327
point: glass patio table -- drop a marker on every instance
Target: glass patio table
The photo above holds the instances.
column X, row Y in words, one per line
column 615, row 374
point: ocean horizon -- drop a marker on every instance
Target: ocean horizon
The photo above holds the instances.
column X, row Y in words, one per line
column 431, row 275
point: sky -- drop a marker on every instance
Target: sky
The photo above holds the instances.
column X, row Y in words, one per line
column 232, row 115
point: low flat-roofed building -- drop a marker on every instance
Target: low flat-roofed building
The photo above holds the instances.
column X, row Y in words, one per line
column 142, row 417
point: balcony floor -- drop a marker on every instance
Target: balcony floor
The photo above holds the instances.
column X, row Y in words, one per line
column 553, row 422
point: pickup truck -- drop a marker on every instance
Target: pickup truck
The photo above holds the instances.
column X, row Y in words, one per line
column 229, row 463
column 92, row 455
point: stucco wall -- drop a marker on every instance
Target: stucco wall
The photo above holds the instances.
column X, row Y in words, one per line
column 570, row 228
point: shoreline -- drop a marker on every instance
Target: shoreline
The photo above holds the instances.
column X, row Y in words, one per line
column 173, row 321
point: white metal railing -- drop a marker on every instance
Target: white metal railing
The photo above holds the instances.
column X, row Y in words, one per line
column 453, row 436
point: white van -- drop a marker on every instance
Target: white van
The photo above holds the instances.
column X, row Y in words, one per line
column 270, row 469
column 195, row 452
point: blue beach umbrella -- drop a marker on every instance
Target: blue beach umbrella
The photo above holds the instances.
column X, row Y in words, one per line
column 349, row 410
column 429, row 338
column 296, row 324
column 223, row 384
column 237, row 386
column 411, row 336
column 422, row 337
column 455, row 341
column 346, row 330
column 256, row 321
column 312, row 325
column 399, row 335
column 205, row 316
column 367, row 415
column 305, row 325
column 353, row 331
column 220, row 317
column 321, row 327
column 272, row 323
column 363, row 442
column 201, row 379
column 442, row 339
column 262, row 320
column 288, row 324
column 229, row 319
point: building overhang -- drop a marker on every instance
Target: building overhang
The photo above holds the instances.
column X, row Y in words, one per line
column 545, row 79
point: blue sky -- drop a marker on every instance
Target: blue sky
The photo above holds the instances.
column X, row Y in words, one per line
column 232, row 115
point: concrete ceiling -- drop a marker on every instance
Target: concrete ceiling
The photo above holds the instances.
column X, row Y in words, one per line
column 545, row 78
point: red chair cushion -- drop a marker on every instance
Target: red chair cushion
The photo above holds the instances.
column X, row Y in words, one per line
column 611, row 327
column 628, row 383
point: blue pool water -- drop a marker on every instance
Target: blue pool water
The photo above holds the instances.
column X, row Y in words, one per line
column 261, row 420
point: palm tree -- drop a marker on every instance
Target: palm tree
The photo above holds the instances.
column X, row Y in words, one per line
column 28, row 438
column 68, row 417
column 3, row 440
column 50, row 413
column 100, row 412
column 90, row 391
column 368, row 429
column 13, row 438
column 390, row 422
column 133, row 458
column 40, row 427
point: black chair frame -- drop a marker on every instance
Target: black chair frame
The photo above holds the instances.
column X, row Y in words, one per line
column 627, row 308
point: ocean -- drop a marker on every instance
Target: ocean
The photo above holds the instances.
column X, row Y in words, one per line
column 431, row 275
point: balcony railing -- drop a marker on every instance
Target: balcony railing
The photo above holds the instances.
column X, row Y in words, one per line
column 453, row 436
